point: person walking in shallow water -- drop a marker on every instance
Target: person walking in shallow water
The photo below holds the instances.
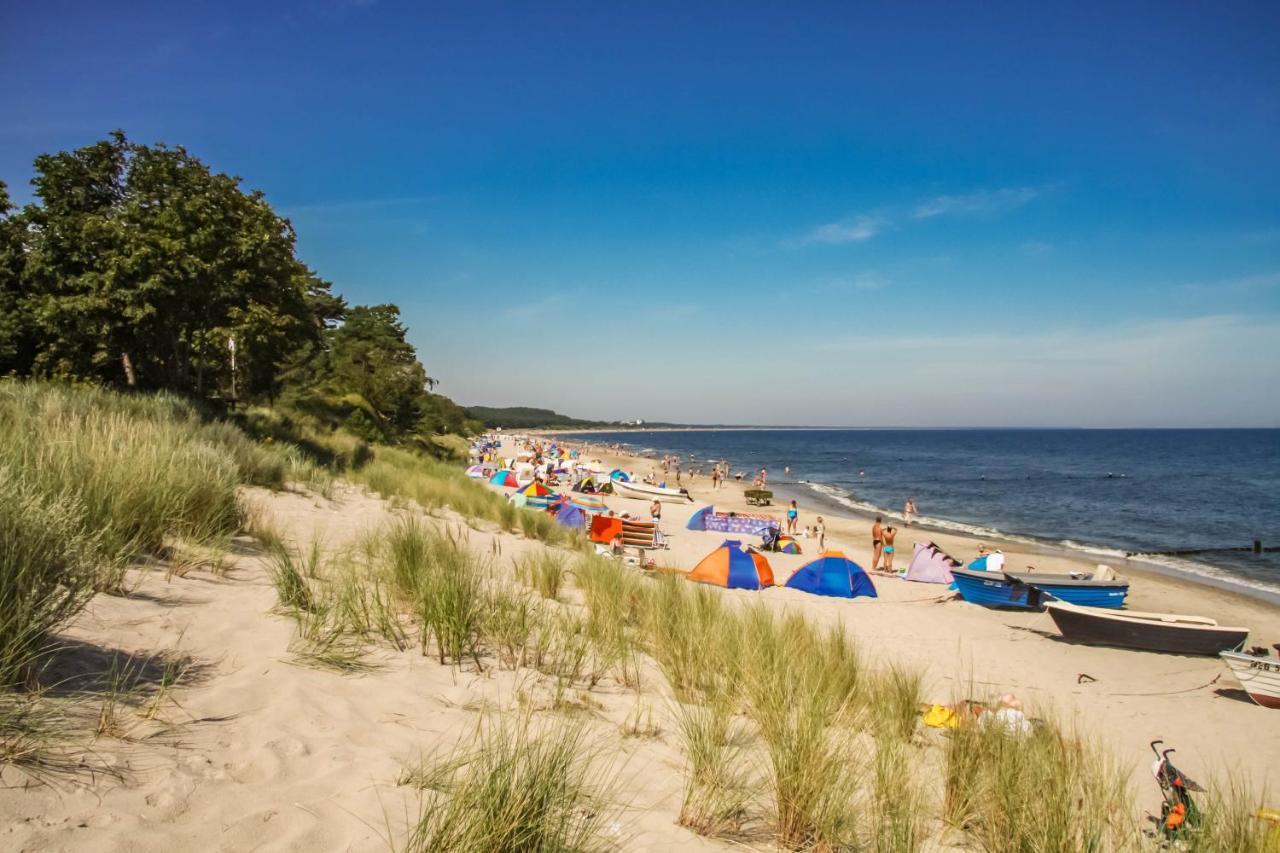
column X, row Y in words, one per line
column 909, row 511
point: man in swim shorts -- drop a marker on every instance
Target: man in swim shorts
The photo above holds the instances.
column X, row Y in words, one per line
column 877, row 543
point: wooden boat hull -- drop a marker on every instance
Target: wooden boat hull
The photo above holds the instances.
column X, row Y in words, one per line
column 1083, row 592
column 1259, row 676
column 647, row 492
column 1097, row 627
column 992, row 589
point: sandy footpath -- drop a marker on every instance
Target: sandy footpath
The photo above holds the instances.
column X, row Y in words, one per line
column 1134, row 697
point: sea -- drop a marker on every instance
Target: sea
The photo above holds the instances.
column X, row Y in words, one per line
column 1102, row 492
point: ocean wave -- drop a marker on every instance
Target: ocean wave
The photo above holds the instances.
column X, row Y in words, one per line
column 1173, row 565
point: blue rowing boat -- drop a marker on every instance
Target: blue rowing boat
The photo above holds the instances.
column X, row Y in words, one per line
column 993, row 589
column 1030, row 590
column 1081, row 591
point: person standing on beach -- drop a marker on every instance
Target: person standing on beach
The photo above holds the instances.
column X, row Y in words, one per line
column 890, row 533
column 821, row 530
column 909, row 511
column 793, row 515
column 655, row 512
column 877, row 542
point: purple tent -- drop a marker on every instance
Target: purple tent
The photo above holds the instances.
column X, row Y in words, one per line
column 929, row 564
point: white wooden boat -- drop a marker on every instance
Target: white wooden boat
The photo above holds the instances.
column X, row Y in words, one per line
column 1258, row 675
column 648, row 492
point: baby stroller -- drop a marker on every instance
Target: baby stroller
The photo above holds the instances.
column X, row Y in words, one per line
column 770, row 539
column 1178, row 813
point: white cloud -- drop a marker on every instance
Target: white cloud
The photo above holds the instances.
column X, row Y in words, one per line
column 856, row 230
column 1237, row 285
column 979, row 203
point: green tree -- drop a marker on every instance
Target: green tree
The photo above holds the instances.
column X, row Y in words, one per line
column 17, row 330
column 146, row 266
column 370, row 356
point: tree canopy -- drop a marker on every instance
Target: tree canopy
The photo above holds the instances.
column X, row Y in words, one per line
column 141, row 267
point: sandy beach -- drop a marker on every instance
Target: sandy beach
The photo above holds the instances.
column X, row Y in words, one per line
column 258, row 751
column 1135, row 697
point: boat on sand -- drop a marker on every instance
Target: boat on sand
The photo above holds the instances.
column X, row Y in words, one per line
column 1259, row 675
column 1079, row 589
column 1153, row 632
column 648, row 492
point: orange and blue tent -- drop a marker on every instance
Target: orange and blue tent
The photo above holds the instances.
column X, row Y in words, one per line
column 833, row 574
column 505, row 477
column 734, row 567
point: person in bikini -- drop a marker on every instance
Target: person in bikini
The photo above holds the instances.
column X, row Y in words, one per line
column 890, row 533
column 877, row 543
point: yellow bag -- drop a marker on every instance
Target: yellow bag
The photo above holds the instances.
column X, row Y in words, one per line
column 940, row 717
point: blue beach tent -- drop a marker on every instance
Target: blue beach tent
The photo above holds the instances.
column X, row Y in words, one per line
column 833, row 574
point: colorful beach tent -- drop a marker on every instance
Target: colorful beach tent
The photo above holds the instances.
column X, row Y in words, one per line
column 929, row 564
column 586, row 484
column 787, row 544
column 833, row 574
column 571, row 516
column 478, row 471
column 734, row 567
column 534, row 489
column 504, row 477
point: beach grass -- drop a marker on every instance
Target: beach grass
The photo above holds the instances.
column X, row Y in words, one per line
column 544, row 571
column 1038, row 790
column 516, row 788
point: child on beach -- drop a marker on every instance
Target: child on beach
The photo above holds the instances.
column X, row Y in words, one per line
column 890, row 533
column 820, row 530
column 793, row 516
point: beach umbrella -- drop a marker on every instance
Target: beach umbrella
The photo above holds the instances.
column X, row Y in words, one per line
column 588, row 503
column 833, row 574
column 571, row 516
column 534, row 489
column 504, row 477
column 734, row 567
column 787, row 544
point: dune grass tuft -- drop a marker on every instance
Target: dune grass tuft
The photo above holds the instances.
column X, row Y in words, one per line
column 1042, row 790
column 516, row 789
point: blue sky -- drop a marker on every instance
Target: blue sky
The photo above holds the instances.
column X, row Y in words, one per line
column 843, row 214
